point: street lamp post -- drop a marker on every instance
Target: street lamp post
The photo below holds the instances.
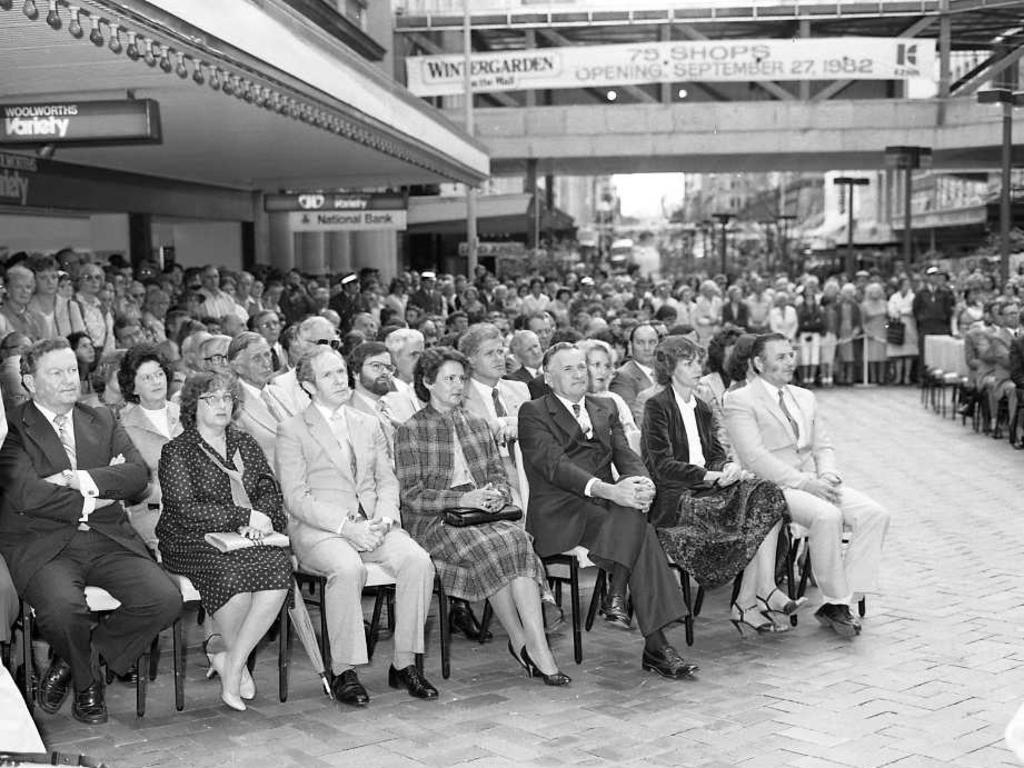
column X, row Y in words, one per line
column 850, row 182
column 723, row 219
column 1008, row 99
column 471, row 221
column 907, row 159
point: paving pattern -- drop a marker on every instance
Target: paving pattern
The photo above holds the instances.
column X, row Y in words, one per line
column 932, row 681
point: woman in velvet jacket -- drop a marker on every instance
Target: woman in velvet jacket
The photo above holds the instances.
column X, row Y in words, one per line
column 713, row 518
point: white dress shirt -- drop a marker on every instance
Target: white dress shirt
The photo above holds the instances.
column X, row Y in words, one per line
column 688, row 410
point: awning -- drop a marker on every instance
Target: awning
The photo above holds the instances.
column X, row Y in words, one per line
column 293, row 107
column 509, row 214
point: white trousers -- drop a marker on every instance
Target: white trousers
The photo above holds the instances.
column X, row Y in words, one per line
column 840, row 577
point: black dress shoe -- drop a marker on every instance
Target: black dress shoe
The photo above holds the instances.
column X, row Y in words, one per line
column 613, row 608
column 838, row 618
column 348, row 690
column 413, row 681
column 461, row 619
column 89, row 707
column 667, row 662
column 53, row 688
column 556, row 678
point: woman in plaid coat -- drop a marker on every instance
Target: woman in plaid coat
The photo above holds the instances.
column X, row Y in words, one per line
column 448, row 458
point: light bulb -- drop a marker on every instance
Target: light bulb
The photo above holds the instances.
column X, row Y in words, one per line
column 229, row 85
column 165, row 61
column 181, row 69
column 148, row 55
column 75, row 25
column 132, row 51
column 115, row 40
column 6, row 5
column 96, row 35
column 30, row 9
column 197, row 74
column 52, row 17
column 215, row 80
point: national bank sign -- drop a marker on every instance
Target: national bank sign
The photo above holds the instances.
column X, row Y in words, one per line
column 128, row 121
column 839, row 58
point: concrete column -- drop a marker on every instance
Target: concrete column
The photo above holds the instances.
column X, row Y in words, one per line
column 945, row 45
column 805, row 85
column 377, row 249
column 140, row 237
column 665, row 89
column 281, row 242
column 310, row 252
column 339, row 252
column 530, row 188
column 261, row 230
column 530, row 41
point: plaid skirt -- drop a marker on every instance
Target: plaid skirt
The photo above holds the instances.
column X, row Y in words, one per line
column 475, row 562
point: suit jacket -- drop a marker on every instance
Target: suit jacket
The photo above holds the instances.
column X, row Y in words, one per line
column 738, row 316
column 994, row 350
column 521, row 375
column 1017, row 362
column 538, row 387
column 149, row 443
column 37, row 518
column 256, row 418
column 666, row 451
column 764, row 441
column 402, row 403
column 560, row 462
column 286, row 392
column 320, row 491
column 628, row 382
column 513, row 394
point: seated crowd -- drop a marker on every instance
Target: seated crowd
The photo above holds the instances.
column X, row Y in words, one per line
column 652, row 425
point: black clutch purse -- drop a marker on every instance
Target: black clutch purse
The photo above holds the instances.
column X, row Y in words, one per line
column 463, row 517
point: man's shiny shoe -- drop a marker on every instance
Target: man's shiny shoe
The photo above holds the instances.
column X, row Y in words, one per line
column 838, row 618
column 348, row 690
column 413, row 681
column 461, row 619
column 89, row 707
column 667, row 662
column 613, row 608
column 53, row 688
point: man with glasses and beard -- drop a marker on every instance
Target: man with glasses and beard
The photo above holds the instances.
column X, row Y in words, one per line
column 372, row 371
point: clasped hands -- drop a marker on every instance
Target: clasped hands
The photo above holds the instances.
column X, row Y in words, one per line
column 729, row 474
column 827, row 486
column 487, row 498
column 259, row 526
column 635, row 492
column 366, row 535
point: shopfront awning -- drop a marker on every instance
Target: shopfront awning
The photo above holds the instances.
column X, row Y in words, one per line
column 294, row 108
column 497, row 215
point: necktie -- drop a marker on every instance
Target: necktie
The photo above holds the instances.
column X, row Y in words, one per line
column 63, row 426
column 275, row 361
column 789, row 416
column 500, row 412
column 340, row 429
column 586, row 427
column 389, row 428
column 268, row 400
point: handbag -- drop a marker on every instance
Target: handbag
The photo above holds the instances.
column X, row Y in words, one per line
column 225, row 541
column 463, row 517
column 895, row 332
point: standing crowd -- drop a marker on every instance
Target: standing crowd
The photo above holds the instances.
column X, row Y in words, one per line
column 645, row 424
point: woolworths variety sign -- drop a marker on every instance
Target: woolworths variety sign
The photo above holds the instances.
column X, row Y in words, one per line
column 843, row 58
column 80, row 122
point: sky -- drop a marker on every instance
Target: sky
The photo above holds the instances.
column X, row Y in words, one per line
column 642, row 193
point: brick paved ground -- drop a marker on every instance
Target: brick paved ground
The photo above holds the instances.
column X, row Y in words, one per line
column 931, row 682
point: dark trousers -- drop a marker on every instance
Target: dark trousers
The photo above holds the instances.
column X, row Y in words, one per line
column 622, row 536
column 8, row 603
column 149, row 602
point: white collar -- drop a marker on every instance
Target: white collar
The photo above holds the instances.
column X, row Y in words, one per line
column 328, row 414
column 50, row 415
column 648, row 372
column 484, row 389
column 569, row 403
column 771, row 389
column 690, row 405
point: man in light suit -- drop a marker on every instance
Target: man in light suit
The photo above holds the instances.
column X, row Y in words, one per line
column 637, row 374
column 779, row 435
column 64, row 469
column 285, row 389
column 994, row 353
column 492, row 398
column 258, row 413
column 405, row 345
column 341, row 495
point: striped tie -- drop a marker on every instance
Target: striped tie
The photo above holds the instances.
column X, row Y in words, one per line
column 62, row 424
column 789, row 416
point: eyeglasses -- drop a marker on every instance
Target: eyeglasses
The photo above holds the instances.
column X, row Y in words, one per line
column 213, row 399
column 378, row 367
column 216, row 359
column 271, row 324
column 334, row 344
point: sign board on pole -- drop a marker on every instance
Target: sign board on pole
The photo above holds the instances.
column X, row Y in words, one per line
column 339, row 211
column 506, row 250
column 127, row 121
column 849, row 58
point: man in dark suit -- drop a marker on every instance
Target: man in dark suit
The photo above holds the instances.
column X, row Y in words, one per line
column 570, row 443
column 525, row 348
column 64, row 470
column 637, row 373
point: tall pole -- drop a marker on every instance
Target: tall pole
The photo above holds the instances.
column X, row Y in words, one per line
column 471, row 235
column 908, row 242
column 1004, row 197
column 724, row 245
column 850, row 261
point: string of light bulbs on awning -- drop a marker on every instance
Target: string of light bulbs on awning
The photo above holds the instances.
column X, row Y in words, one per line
column 208, row 68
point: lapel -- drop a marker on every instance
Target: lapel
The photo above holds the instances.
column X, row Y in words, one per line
column 641, row 377
column 322, row 433
column 42, row 434
column 561, row 416
column 257, row 410
column 773, row 408
column 675, row 422
column 599, row 420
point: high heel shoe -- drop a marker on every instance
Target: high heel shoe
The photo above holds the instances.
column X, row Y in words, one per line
column 739, row 621
column 557, row 678
column 788, row 609
column 518, row 659
column 232, row 701
column 246, row 687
